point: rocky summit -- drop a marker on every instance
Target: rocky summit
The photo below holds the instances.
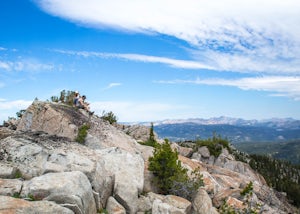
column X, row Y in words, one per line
column 44, row 170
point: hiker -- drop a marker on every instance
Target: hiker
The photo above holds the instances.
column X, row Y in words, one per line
column 84, row 105
column 76, row 98
column 79, row 102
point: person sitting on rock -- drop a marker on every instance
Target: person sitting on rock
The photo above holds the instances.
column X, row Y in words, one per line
column 84, row 105
column 76, row 98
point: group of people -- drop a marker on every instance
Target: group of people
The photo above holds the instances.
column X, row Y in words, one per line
column 79, row 102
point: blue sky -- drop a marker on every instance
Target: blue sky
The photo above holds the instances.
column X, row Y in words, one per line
column 153, row 60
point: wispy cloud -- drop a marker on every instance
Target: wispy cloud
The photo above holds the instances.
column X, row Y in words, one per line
column 5, row 65
column 187, row 64
column 8, row 108
column 164, row 60
column 277, row 85
column 254, row 62
column 112, row 85
column 255, row 36
column 29, row 65
column 3, row 49
column 216, row 61
column 14, row 104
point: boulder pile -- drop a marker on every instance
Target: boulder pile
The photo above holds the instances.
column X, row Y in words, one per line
column 44, row 170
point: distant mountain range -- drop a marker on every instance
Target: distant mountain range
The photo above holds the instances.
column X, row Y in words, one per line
column 235, row 129
column 273, row 122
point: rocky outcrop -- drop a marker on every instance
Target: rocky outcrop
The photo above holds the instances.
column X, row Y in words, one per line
column 128, row 171
column 184, row 151
column 69, row 189
column 225, row 182
column 105, row 136
column 38, row 158
column 203, row 155
column 41, row 161
column 202, row 203
column 54, row 119
column 65, row 121
column 11, row 123
column 11, row 205
column 164, row 204
column 226, row 161
column 5, row 132
column 114, row 207
column 10, row 187
column 137, row 132
column 8, row 171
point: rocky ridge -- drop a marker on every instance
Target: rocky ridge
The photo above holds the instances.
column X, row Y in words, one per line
column 43, row 170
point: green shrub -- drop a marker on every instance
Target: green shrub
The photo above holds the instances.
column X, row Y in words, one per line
column 169, row 175
column 65, row 97
column 151, row 140
column 18, row 174
column 250, row 206
column 54, row 99
column 109, row 116
column 31, row 197
column 20, row 113
column 16, row 195
column 102, row 211
column 82, row 133
column 165, row 166
column 248, row 189
column 214, row 145
column 187, row 187
column 151, row 133
column 226, row 209
column 149, row 143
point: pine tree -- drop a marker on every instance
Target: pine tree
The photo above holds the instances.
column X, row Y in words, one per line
column 165, row 166
column 170, row 176
column 151, row 135
column 62, row 96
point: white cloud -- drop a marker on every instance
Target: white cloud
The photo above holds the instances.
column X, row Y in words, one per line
column 259, row 33
column 15, row 104
column 136, row 111
column 171, row 62
column 249, row 62
column 187, row 64
column 5, row 65
column 2, row 49
column 190, row 18
column 213, row 61
column 277, row 85
column 112, row 85
column 29, row 65
column 9, row 108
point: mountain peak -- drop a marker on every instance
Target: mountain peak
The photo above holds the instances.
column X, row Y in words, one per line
column 230, row 121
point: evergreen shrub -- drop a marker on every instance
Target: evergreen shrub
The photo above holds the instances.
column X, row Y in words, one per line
column 169, row 175
column 214, row 145
column 109, row 116
column 82, row 133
